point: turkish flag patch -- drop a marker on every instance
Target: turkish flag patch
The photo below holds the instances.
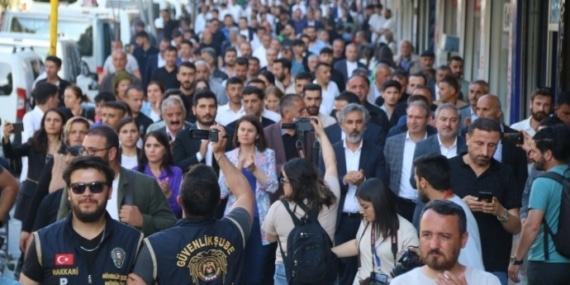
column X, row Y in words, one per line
column 64, row 259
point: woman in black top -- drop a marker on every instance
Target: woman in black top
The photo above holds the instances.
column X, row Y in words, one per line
column 43, row 144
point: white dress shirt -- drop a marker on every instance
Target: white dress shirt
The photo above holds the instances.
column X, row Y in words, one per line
column 406, row 189
column 261, row 54
column 271, row 115
column 352, row 164
column 31, row 122
column 113, row 204
column 209, row 150
column 350, row 67
column 449, row 152
column 524, row 125
column 226, row 115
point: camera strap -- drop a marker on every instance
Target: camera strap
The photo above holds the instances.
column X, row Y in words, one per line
column 300, row 145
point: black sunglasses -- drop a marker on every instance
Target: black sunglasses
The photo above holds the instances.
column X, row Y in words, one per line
column 94, row 187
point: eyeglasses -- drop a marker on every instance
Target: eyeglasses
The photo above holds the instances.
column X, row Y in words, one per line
column 282, row 180
column 91, row 151
column 94, row 187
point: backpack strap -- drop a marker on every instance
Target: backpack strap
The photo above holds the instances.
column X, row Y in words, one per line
column 547, row 230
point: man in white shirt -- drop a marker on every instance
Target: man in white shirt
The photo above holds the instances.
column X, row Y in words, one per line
column 399, row 153
column 540, row 106
column 329, row 88
column 443, row 233
column 376, row 23
column 233, row 110
column 132, row 66
column 312, row 95
column 432, row 179
column 261, row 51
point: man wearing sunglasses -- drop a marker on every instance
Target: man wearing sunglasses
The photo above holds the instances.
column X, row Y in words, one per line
column 137, row 199
column 88, row 246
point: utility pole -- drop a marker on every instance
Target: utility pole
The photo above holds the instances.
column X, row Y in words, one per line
column 53, row 27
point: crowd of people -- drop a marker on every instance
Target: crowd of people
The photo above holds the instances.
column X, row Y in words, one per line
column 208, row 143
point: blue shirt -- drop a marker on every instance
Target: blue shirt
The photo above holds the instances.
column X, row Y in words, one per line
column 253, row 184
column 545, row 196
column 174, row 181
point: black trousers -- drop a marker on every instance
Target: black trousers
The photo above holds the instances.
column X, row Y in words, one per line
column 347, row 229
column 543, row 273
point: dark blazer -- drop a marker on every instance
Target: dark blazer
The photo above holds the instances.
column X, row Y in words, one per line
column 371, row 161
column 395, row 130
column 151, row 66
column 342, row 67
column 394, row 153
column 339, row 79
column 372, row 133
column 512, row 156
column 185, row 149
column 144, row 193
column 431, row 145
column 377, row 116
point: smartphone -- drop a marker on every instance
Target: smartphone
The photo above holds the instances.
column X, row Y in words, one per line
column 211, row 135
column 513, row 138
column 18, row 127
column 486, row 197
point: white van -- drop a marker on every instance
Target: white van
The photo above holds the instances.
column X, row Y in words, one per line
column 66, row 50
column 18, row 71
column 91, row 29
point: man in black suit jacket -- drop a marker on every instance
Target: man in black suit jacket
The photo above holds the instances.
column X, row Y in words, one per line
column 348, row 65
column 326, row 56
column 357, row 159
column 360, row 86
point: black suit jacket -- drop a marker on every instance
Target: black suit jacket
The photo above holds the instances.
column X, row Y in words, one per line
column 338, row 78
column 372, row 133
column 372, row 162
column 143, row 121
column 377, row 116
column 185, row 150
column 151, row 66
column 342, row 67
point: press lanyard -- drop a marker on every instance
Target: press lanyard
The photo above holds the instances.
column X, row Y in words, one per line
column 373, row 247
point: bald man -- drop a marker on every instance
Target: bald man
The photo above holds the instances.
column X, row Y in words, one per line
column 489, row 106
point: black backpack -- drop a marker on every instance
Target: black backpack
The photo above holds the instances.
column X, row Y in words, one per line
column 309, row 258
column 562, row 237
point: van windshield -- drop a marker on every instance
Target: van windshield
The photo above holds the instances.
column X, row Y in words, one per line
column 5, row 79
column 81, row 32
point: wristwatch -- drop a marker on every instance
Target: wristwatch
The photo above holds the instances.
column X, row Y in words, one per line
column 515, row 261
column 505, row 217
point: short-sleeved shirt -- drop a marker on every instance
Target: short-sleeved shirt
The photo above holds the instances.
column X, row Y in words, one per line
column 278, row 222
column 192, row 243
column 498, row 179
column 473, row 276
column 545, row 196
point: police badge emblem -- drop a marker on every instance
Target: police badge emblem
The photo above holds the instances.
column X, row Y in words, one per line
column 118, row 256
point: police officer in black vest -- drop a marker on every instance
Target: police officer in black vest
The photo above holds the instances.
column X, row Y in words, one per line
column 88, row 246
column 201, row 249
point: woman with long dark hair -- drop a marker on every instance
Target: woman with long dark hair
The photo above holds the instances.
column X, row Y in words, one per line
column 129, row 134
column 304, row 188
column 382, row 227
column 156, row 161
column 72, row 98
column 257, row 163
column 42, row 145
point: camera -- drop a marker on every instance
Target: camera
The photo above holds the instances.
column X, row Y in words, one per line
column 513, row 138
column 302, row 124
column 211, row 135
column 408, row 261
